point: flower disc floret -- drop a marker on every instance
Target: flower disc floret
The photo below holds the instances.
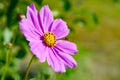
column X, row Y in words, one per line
column 49, row 39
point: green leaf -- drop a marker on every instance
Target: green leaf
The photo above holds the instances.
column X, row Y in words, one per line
column 11, row 12
column 67, row 5
column 39, row 2
column 21, row 53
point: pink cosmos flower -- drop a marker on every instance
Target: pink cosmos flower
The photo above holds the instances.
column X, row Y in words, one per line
column 43, row 34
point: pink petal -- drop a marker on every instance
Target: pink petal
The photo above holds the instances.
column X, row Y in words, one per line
column 29, row 31
column 59, row 28
column 54, row 62
column 66, row 46
column 46, row 17
column 66, row 59
column 32, row 16
column 39, row 50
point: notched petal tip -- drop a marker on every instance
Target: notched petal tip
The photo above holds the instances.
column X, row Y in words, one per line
column 55, row 62
column 60, row 71
column 45, row 7
column 59, row 28
column 71, row 64
column 74, row 64
column 66, row 47
column 46, row 17
column 32, row 6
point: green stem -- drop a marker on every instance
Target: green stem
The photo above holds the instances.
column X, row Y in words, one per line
column 28, row 68
column 13, row 40
column 8, row 57
column 6, row 66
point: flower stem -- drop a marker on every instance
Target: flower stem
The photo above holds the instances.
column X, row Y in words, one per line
column 8, row 56
column 6, row 66
column 28, row 68
column 13, row 40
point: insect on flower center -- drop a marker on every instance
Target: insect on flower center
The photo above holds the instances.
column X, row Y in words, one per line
column 49, row 39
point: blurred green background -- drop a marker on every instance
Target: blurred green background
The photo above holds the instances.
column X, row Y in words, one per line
column 95, row 28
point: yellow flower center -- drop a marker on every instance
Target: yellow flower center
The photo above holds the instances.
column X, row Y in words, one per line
column 49, row 39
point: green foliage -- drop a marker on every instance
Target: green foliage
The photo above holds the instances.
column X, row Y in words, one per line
column 11, row 13
column 39, row 2
column 21, row 53
column 83, row 18
column 66, row 5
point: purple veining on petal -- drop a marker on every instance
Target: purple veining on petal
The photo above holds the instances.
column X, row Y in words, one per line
column 32, row 6
column 32, row 17
column 62, row 66
column 59, row 28
column 39, row 49
column 28, row 30
column 46, row 17
column 66, row 47
column 54, row 62
column 66, row 59
column 40, row 23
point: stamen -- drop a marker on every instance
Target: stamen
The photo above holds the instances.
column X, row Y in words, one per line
column 49, row 39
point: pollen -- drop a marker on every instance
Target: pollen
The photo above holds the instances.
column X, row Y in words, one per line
column 49, row 39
